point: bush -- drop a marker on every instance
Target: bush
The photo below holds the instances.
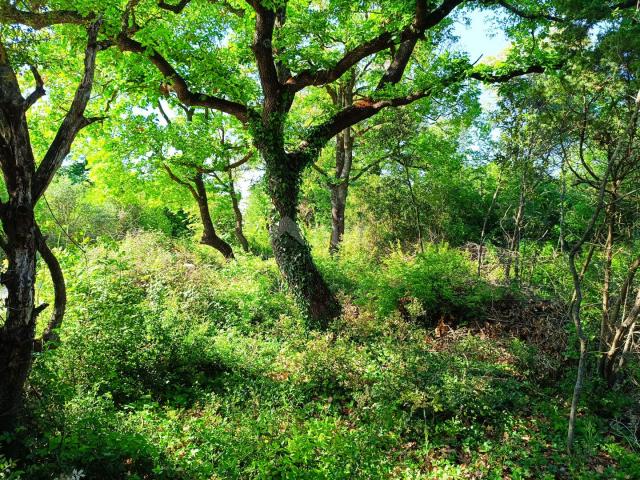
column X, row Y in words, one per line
column 440, row 281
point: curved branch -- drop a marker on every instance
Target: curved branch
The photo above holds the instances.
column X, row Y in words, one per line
column 177, row 8
column 490, row 77
column 38, row 92
column 240, row 162
column 186, row 96
column 59, row 288
column 10, row 14
column 423, row 21
column 367, row 108
column 320, row 170
column 527, row 15
column 73, row 122
column 366, row 169
column 178, row 180
column 163, row 113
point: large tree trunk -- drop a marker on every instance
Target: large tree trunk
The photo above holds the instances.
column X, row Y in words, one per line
column 209, row 235
column 25, row 184
column 18, row 167
column 17, row 334
column 291, row 251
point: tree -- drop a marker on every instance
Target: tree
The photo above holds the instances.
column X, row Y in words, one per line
column 527, row 148
column 189, row 147
column 26, row 182
column 288, row 61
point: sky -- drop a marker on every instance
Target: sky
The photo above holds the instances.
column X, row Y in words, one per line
column 480, row 37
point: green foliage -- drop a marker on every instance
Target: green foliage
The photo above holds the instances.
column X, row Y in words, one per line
column 173, row 366
column 441, row 281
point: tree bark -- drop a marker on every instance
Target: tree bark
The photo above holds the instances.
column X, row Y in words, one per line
column 59, row 291
column 338, row 209
column 611, row 343
column 25, row 184
column 621, row 333
column 237, row 213
column 209, row 235
column 577, row 280
column 198, row 191
column 563, row 200
column 339, row 187
column 605, row 322
column 291, row 251
column 18, row 222
column 17, row 334
column 576, row 307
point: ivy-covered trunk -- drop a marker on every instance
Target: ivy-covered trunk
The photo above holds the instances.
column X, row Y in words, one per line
column 291, row 251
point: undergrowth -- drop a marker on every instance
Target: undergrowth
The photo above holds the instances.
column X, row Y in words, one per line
column 173, row 365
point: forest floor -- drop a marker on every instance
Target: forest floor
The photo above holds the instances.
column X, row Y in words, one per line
column 175, row 366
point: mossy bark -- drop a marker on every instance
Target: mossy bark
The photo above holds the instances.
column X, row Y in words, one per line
column 291, row 251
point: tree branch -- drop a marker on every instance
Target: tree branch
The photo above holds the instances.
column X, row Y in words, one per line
column 178, row 180
column 321, row 171
column 240, row 162
column 39, row 90
column 59, row 287
column 3, row 244
column 163, row 113
column 73, row 122
column 10, row 14
column 367, row 108
column 174, row 8
column 490, row 77
column 186, row 96
column 366, row 169
column 422, row 22
column 263, row 51
column 359, row 111
column 527, row 15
